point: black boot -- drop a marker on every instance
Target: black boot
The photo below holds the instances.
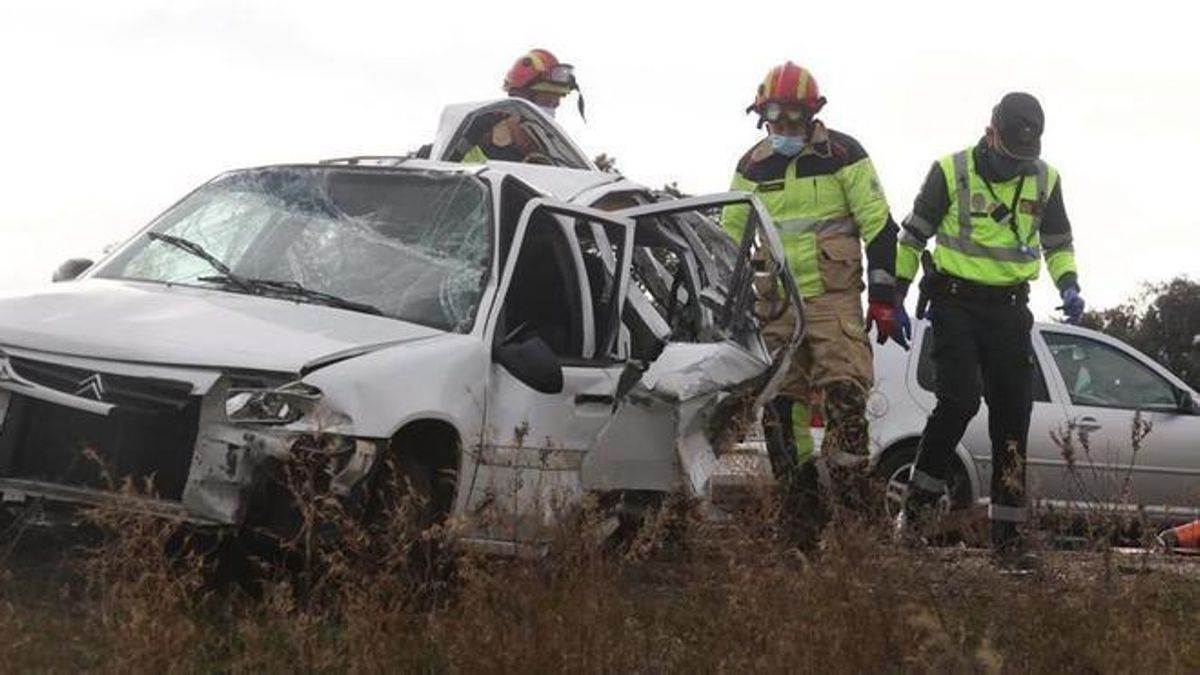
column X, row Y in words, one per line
column 1009, row 551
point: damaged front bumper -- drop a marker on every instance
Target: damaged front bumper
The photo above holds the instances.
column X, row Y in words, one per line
column 127, row 440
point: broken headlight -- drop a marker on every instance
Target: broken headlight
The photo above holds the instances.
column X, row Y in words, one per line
column 284, row 405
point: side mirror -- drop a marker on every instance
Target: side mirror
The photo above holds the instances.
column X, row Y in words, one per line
column 531, row 361
column 1188, row 405
column 71, row 269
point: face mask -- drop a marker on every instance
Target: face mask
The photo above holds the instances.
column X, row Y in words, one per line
column 548, row 110
column 788, row 146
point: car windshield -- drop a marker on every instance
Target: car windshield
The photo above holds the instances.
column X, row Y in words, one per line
column 414, row 246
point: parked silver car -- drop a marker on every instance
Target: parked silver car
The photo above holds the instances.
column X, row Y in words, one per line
column 1092, row 395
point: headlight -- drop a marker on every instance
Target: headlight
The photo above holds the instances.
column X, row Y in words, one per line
column 285, row 405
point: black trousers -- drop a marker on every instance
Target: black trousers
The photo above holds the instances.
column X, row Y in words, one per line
column 980, row 349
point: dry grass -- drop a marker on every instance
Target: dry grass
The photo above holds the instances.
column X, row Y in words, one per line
column 682, row 596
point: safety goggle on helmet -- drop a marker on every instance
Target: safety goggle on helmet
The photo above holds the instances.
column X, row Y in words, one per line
column 788, row 91
column 539, row 70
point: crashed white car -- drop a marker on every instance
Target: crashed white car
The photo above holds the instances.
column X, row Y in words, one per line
column 521, row 335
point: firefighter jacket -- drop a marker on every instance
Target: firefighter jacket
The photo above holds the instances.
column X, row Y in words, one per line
column 823, row 201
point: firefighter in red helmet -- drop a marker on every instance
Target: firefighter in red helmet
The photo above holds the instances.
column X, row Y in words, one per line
column 538, row 77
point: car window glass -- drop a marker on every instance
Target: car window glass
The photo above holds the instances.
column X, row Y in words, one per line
column 927, row 371
column 414, row 245
column 1097, row 374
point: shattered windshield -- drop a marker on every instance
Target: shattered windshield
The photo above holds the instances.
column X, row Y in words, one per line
column 416, row 246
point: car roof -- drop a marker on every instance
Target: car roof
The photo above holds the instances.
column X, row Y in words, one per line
column 559, row 183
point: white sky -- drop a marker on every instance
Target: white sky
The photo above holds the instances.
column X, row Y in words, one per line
column 110, row 111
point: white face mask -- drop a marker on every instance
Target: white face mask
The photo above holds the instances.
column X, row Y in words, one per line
column 548, row 110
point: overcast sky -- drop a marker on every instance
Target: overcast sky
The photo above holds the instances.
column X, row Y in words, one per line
column 110, row 111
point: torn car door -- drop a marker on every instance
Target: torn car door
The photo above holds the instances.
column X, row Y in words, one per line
column 560, row 301
column 711, row 369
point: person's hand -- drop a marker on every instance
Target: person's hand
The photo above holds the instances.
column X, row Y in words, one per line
column 1073, row 305
column 890, row 321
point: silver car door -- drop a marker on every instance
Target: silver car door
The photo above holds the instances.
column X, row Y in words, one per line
column 664, row 432
column 1129, row 439
column 555, row 290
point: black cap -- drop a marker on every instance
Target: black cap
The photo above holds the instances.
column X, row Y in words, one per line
column 1019, row 120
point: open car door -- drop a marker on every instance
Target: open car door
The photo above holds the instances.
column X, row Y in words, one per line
column 694, row 321
column 463, row 126
column 555, row 367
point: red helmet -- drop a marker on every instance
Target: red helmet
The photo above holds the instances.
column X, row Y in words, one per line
column 788, row 84
column 539, row 70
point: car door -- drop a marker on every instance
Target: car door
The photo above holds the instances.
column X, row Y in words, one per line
column 1133, row 432
column 557, row 295
column 696, row 346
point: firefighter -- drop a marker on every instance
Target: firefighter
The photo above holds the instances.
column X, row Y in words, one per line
column 823, row 194
column 993, row 209
column 538, row 77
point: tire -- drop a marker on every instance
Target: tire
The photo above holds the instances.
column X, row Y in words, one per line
column 895, row 468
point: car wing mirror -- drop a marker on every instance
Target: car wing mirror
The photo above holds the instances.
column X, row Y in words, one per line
column 1188, row 405
column 71, row 269
column 531, row 361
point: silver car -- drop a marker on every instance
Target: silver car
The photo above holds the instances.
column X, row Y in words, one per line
column 1093, row 396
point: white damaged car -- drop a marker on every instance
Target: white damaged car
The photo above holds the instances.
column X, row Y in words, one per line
column 520, row 335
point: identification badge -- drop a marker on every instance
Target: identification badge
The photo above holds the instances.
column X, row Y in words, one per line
column 773, row 186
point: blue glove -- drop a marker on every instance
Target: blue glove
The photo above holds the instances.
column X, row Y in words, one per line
column 904, row 325
column 1072, row 305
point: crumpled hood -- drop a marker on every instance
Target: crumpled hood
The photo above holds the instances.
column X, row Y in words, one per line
column 175, row 325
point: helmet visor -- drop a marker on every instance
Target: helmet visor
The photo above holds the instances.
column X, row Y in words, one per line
column 774, row 111
column 563, row 74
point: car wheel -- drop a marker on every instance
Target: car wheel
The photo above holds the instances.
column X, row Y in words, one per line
column 895, row 469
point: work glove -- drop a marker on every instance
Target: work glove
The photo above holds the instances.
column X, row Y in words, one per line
column 1072, row 305
column 891, row 321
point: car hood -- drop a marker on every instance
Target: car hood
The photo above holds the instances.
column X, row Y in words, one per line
column 175, row 325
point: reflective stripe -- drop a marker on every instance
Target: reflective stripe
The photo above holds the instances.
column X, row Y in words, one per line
column 919, row 225
column 963, row 180
column 1007, row 514
column 1042, row 187
column 968, row 247
column 805, row 225
column 926, row 483
column 881, row 277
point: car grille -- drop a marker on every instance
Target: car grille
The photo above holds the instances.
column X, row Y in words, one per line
column 138, row 395
column 148, row 436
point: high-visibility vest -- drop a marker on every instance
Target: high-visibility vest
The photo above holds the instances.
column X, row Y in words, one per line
column 990, row 233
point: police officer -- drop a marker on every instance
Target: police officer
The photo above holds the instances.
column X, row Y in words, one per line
column 823, row 194
column 538, row 77
column 993, row 209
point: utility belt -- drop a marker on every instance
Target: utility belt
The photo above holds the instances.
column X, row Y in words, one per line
column 947, row 287
column 936, row 285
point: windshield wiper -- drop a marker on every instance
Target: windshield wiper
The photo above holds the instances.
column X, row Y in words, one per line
column 293, row 289
column 189, row 246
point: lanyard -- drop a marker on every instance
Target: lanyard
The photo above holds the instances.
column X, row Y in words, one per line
column 1012, row 211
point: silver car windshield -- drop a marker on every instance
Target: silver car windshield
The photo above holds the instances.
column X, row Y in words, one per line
column 413, row 245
